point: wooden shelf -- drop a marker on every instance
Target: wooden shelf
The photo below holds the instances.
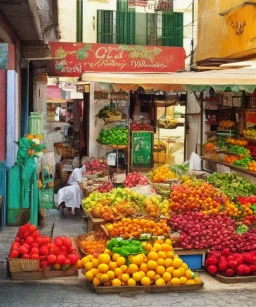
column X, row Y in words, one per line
column 243, row 170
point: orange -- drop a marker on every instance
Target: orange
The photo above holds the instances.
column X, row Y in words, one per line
column 144, row 267
column 118, row 272
column 148, row 247
column 89, row 276
column 79, row 264
column 145, row 281
column 95, row 263
column 156, row 277
column 103, row 268
column 131, row 282
column 175, row 281
column 151, row 275
column 162, row 255
column 104, row 278
column 152, row 256
column 136, row 276
column 94, row 271
column 104, row 258
column 152, row 265
column 96, row 282
column 185, row 266
column 190, row 282
column 84, row 261
column 107, row 251
column 133, row 268
column 142, row 274
column 177, row 273
column 188, row 274
column 88, row 266
column 168, row 241
column 116, row 282
column 160, row 282
column 89, row 257
column 160, row 261
column 177, row 262
column 167, row 263
column 197, row 280
column 170, row 269
column 183, row 280
column 138, row 260
column 170, row 255
column 158, row 247
column 125, row 277
column 111, row 274
column 182, row 270
column 98, row 276
column 123, row 268
column 121, row 261
column 115, row 257
column 112, row 265
column 167, row 277
column 160, row 270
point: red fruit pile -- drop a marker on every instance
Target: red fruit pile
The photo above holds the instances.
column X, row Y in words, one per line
column 141, row 127
column 95, row 166
column 107, row 186
column 231, row 264
column 29, row 244
column 215, row 232
column 134, row 179
column 247, row 199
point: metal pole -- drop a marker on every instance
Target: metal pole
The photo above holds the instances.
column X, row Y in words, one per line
column 192, row 40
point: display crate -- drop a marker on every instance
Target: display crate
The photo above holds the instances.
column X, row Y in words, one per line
column 149, row 289
column 46, row 198
column 193, row 258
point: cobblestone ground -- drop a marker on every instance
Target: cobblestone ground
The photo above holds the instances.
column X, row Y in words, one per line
column 20, row 294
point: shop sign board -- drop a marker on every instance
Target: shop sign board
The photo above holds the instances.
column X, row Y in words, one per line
column 142, row 145
column 163, row 5
column 141, row 3
column 74, row 59
column 83, row 88
column 53, row 92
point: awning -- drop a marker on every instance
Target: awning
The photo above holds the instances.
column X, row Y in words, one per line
column 221, row 80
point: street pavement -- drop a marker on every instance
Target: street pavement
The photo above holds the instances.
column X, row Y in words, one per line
column 65, row 294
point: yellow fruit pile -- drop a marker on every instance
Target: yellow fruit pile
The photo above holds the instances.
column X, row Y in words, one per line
column 160, row 267
column 162, row 174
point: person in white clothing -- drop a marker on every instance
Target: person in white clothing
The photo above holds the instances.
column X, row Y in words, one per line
column 72, row 194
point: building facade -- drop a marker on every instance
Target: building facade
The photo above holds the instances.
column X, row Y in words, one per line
column 226, row 30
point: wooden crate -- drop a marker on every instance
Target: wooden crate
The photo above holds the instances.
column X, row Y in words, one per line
column 235, row 280
column 42, row 275
column 94, row 224
column 149, row 289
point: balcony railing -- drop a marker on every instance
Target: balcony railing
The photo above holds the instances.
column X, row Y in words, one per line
column 131, row 28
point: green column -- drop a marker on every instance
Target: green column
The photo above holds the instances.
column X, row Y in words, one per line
column 79, row 20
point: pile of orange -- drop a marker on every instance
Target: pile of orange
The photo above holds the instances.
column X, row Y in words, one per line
column 133, row 228
column 91, row 247
column 163, row 173
column 252, row 166
column 196, row 196
column 160, row 267
column 231, row 159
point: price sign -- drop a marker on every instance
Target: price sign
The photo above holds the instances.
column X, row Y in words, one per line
column 142, row 143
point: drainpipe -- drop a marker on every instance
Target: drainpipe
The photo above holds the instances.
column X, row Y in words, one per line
column 79, row 20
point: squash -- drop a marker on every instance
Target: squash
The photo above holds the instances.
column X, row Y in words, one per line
column 29, row 136
column 39, row 184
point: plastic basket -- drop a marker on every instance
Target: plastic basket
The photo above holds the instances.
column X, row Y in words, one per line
column 23, row 265
column 46, row 199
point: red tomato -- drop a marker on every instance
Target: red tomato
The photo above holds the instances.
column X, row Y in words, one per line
column 29, row 240
column 35, row 234
column 51, row 259
column 35, row 257
column 14, row 254
column 23, row 250
column 73, row 258
column 26, row 256
column 67, row 242
column 60, row 259
column 43, row 250
column 32, row 228
column 34, row 250
column 58, row 241
column 26, row 234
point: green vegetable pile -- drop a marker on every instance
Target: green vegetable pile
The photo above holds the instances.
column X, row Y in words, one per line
column 180, row 168
column 125, row 247
column 238, row 150
column 253, row 208
column 221, row 142
column 114, row 136
column 232, row 185
column 242, row 229
column 242, row 162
